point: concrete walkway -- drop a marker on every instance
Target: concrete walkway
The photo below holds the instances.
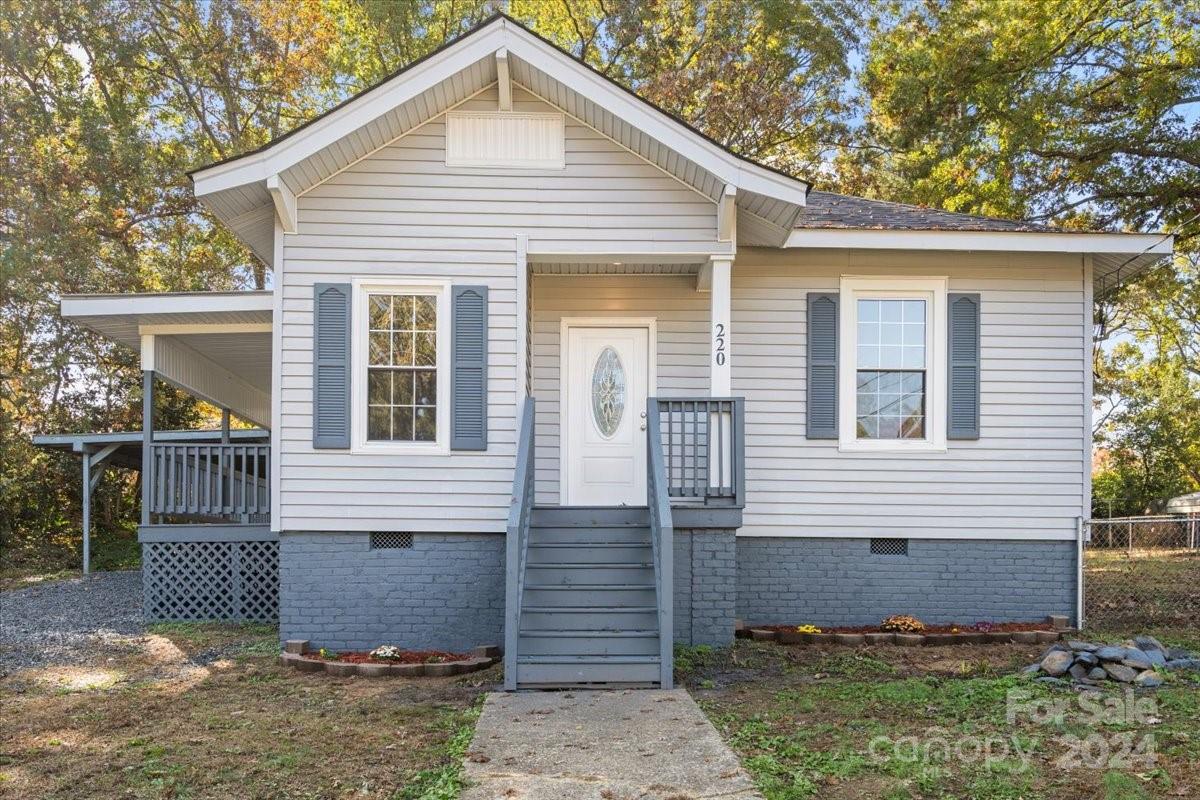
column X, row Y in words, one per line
column 620, row 745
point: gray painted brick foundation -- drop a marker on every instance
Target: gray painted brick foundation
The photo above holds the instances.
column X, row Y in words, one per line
column 445, row 592
column 832, row 581
column 705, row 586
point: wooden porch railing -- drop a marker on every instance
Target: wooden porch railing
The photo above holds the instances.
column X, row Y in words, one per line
column 517, row 543
column 229, row 482
column 703, row 440
column 662, row 540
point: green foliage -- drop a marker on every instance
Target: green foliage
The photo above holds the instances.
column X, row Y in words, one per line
column 445, row 781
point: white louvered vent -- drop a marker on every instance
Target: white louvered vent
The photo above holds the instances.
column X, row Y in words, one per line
column 504, row 139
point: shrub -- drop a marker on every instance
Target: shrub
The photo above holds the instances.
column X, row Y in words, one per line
column 902, row 623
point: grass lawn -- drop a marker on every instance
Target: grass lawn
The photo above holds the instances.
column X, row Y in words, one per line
column 204, row 711
column 891, row 722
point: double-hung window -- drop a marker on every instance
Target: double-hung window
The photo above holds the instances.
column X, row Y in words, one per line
column 891, row 375
column 400, row 360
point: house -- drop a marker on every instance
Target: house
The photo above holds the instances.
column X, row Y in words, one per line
column 542, row 365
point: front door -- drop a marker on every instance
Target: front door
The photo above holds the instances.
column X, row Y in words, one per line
column 606, row 379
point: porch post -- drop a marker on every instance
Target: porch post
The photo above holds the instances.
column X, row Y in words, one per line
column 224, row 426
column 521, row 274
column 87, row 511
column 720, row 383
column 147, row 424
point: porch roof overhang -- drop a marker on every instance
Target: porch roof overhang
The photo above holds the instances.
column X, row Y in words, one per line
column 1116, row 257
column 213, row 345
column 250, row 192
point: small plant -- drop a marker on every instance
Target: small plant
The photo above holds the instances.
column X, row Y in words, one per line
column 387, row 652
column 808, row 629
column 902, row 623
column 983, row 627
column 326, row 654
column 436, row 659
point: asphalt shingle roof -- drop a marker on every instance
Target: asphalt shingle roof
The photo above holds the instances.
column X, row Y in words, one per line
column 830, row 210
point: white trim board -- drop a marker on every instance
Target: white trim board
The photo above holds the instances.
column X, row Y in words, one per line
column 1019, row 242
column 360, row 321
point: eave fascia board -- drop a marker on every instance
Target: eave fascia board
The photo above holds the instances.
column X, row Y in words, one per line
column 1013, row 241
column 83, row 305
column 360, row 111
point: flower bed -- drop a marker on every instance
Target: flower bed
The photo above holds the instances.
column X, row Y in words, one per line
column 387, row 661
column 907, row 631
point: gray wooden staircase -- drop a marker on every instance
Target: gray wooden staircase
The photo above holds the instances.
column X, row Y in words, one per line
column 589, row 591
column 589, row 608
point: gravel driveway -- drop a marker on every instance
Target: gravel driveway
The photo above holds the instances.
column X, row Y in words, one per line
column 65, row 622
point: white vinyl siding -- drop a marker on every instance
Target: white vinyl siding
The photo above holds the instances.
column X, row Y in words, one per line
column 1022, row 479
column 402, row 213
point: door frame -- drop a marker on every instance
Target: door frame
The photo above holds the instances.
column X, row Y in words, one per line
column 566, row 323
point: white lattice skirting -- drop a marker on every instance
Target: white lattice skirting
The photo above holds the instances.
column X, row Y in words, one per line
column 210, row 581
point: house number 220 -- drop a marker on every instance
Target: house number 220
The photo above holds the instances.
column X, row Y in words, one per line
column 719, row 344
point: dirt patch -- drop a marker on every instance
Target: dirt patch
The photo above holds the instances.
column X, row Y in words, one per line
column 953, row 627
column 206, row 711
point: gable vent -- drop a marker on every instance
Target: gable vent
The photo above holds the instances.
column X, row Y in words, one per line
column 504, row 139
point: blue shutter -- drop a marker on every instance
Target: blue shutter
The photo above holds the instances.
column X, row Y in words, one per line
column 331, row 365
column 822, row 414
column 964, row 358
column 468, row 366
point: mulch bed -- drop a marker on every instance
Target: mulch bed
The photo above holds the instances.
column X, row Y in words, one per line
column 999, row 627
column 405, row 657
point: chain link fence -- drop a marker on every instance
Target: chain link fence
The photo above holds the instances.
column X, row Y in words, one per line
column 1142, row 571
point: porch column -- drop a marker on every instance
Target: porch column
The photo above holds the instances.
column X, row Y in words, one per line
column 147, row 424
column 87, row 512
column 720, row 382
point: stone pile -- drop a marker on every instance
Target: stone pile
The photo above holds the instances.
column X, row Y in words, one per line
column 1139, row 662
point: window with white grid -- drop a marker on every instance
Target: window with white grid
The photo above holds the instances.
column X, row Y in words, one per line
column 402, row 367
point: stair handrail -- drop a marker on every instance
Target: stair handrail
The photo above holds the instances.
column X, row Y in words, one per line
column 517, row 543
column 662, row 532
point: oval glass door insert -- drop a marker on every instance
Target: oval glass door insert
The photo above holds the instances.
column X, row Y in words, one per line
column 608, row 392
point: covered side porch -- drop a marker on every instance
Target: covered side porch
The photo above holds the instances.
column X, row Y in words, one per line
column 208, row 551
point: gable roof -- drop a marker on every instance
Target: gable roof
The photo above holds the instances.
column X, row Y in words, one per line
column 242, row 190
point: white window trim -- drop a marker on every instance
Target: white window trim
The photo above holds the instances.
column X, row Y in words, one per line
column 358, row 380
column 932, row 290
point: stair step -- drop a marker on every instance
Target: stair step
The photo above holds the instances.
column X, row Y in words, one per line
column 591, row 553
column 588, row 643
column 577, row 670
column 539, row 618
column 589, row 535
column 589, row 574
column 587, row 596
column 590, row 516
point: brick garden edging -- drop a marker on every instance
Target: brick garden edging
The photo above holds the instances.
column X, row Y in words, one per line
column 296, row 657
column 910, row 639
